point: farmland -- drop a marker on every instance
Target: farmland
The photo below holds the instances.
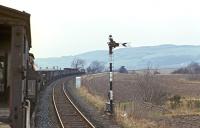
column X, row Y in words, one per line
column 125, row 85
column 183, row 113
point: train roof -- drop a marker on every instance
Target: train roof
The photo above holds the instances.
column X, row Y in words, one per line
column 9, row 16
column 70, row 69
column 48, row 70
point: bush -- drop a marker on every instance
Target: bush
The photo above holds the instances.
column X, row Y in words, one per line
column 197, row 104
column 175, row 101
column 122, row 69
column 193, row 104
column 156, row 72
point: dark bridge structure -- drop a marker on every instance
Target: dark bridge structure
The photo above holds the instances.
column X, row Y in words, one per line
column 19, row 82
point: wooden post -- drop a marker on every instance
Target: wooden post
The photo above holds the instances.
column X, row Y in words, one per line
column 18, row 81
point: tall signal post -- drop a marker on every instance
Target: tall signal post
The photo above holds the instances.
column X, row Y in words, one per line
column 112, row 44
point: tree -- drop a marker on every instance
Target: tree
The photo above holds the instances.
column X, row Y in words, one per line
column 78, row 63
column 122, row 69
column 150, row 88
column 96, row 67
column 192, row 68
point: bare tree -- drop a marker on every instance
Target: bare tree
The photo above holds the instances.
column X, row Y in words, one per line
column 96, row 67
column 150, row 88
column 78, row 63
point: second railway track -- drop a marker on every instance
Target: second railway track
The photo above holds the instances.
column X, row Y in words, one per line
column 68, row 114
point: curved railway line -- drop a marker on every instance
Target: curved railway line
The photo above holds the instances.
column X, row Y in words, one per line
column 68, row 114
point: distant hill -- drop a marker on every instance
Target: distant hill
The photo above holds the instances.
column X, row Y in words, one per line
column 162, row 56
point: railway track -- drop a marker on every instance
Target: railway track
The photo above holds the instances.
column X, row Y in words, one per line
column 68, row 114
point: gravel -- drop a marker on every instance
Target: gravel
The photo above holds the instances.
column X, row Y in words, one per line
column 45, row 116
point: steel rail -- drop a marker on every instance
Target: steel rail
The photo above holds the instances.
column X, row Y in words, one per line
column 69, row 102
column 56, row 109
column 77, row 108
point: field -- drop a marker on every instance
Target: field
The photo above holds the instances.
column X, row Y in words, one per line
column 125, row 86
column 181, row 113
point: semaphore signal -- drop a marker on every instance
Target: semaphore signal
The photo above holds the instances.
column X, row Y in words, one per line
column 112, row 44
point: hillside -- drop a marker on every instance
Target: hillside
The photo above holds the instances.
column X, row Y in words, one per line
column 162, row 56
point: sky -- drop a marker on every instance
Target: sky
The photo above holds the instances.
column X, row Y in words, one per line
column 71, row 27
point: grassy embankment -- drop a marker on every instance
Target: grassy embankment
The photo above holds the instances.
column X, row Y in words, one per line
column 121, row 117
column 124, row 115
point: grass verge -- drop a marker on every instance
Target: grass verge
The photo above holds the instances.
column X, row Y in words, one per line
column 97, row 101
column 121, row 116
